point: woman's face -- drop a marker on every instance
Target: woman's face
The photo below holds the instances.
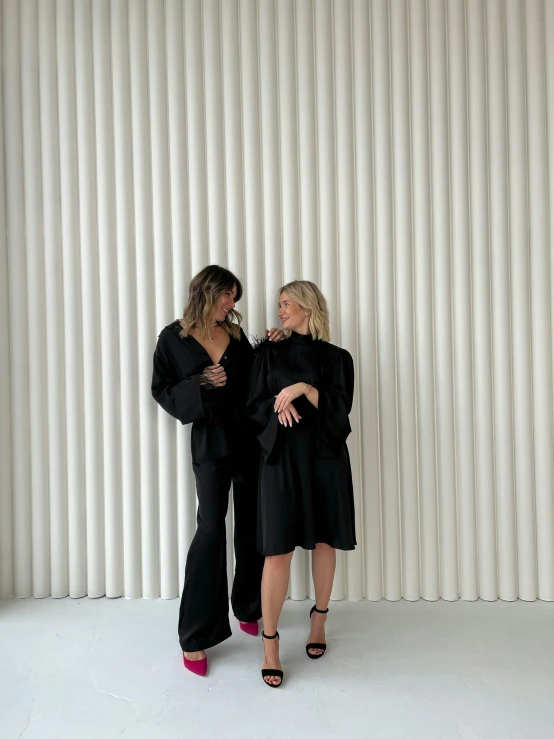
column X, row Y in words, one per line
column 223, row 304
column 292, row 315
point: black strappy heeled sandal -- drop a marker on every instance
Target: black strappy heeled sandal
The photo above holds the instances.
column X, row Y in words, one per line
column 272, row 672
column 315, row 645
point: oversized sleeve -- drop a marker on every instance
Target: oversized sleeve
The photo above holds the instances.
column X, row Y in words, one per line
column 260, row 402
column 335, row 404
column 181, row 399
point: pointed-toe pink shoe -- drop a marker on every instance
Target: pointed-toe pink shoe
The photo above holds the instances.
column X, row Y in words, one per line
column 249, row 627
column 198, row 666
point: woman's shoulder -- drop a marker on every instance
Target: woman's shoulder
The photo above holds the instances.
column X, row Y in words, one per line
column 261, row 344
column 333, row 351
column 171, row 334
column 335, row 358
column 171, row 329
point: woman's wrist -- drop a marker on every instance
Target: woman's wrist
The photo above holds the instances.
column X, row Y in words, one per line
column 308, row 389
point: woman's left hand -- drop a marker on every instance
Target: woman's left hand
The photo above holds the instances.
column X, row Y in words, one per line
column 275, row 334
column 288, row 394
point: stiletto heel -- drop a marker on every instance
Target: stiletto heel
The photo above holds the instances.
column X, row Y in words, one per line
column 272, row 672
column 197, row 667
column 249, row 627
column 315, row 645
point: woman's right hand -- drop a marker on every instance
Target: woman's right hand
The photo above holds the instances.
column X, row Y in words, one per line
column 288, row 414
column 213, row 376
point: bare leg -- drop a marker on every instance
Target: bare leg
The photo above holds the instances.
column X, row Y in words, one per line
column 324, row 560
column 275, row 582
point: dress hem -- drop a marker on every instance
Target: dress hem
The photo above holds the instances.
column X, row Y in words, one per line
column 344, row 548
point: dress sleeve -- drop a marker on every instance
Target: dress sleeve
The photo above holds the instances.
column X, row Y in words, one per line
column 181, row 399
column 260, row 402
column 335, row 403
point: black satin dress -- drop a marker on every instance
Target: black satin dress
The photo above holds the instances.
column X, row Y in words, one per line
column 305, row 488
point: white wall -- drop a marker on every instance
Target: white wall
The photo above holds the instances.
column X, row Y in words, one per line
column 400, row 154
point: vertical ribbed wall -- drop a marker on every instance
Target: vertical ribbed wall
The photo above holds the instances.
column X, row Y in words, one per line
column 399, row 153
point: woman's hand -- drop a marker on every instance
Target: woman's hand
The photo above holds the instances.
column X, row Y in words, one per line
column 290, row 393
column 275, row 334
column 289, row 414
column 213, row 376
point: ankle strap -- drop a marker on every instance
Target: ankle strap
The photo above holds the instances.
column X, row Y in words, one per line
column 265, row 636
column 318, row 611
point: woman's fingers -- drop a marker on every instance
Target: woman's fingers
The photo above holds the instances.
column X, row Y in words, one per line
column 282, row 419
column 216, row 375
column 275, row 334
column 294, row 413
column 288, row 416
column 282, row 400
column 221, row 379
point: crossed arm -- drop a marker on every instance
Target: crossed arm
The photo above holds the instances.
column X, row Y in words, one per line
column 284, row 401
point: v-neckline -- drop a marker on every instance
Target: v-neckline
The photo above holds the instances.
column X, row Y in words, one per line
column 208, row 353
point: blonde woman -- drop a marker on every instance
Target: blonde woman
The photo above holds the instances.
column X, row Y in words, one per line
column 300, row 396
column 201, row 368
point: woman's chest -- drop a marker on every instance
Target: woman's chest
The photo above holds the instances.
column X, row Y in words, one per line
column 294, row 366
column 215, row 344
column 191, row 358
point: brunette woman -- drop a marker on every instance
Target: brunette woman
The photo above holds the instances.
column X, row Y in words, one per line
column 201, row 369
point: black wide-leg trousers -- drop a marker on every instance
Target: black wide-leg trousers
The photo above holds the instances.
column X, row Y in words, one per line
column 204, row 611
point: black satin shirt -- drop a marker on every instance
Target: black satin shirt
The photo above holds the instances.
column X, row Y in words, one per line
column 219, row 423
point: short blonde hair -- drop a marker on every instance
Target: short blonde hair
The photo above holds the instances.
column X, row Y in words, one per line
column 310, row 297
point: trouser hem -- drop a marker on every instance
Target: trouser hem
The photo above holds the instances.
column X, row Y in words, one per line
column 200, row 645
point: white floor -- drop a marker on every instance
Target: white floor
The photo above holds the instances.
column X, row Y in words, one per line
column 112, row 668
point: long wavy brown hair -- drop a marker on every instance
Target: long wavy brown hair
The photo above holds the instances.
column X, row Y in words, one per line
column 204, row 290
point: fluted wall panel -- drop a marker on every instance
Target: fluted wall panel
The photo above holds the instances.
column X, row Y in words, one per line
column 17, row 304
column 400, row 154
column 6, row 502
column 502, row 377
column 404, row 299
column 144, row 323
column 520, row 301
column 540, row 252
column 72, row 367
column 442, row 299
column 127, row 299
column 54, row 330
column 480, row 278
column 423, row 298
